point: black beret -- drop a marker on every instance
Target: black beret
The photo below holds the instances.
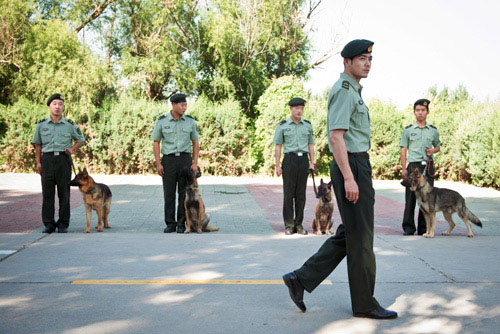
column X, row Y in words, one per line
column 178, row 98
column 422, row 102
column 297, row 101
column 54, row 97
column 356, row 47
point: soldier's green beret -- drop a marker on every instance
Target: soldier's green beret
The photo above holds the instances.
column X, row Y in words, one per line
column 422, row 102
column 356, row 47
column 297, row 101
column 54, row 97
column 178, row 98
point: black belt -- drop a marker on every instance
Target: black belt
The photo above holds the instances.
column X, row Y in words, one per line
column 297, row 154
column 54, row 153
column 360, row 154
column 178, row 154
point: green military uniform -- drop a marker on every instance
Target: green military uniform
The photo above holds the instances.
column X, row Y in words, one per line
column 176, row 137
column 416, row 139
column 295, row 138
column 55, row 137
column 354, row 237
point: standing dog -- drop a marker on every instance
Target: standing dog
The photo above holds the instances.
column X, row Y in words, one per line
column 431, row 200
column 96, row 196
column 324, row 209
column 196, row 218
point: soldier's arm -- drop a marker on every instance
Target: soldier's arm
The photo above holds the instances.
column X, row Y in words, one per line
column 38, row 154
column 156, row 151
column 277, row 157
column 402, row 157
column 75, row 147
column 340, row 153
column 196, row 153
column 311, row 155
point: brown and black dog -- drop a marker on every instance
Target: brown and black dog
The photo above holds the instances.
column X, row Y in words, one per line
column 96, row 196
column 324, row 209
column 432, row 199
column 196, row 218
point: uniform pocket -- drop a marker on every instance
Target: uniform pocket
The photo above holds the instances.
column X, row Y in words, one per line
column 168, row 135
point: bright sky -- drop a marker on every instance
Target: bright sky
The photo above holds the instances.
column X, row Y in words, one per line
column 417, row 44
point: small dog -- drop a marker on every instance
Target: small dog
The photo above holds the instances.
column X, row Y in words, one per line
column 96, row 196
column 324, row 209
column 196, row 218
column 432, row 199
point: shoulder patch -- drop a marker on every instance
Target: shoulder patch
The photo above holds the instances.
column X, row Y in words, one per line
column 406, row 127
column 432, row 126
column 282, row 122
column 162, row 116
column 345, row 84
column 307, row 121
column 43, row 119
column 190, row 117
column 70, row 121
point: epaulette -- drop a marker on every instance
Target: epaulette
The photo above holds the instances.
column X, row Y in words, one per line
column 162, row 116
column 406, row 127
column 432, row 126
column 307, row 121
column 43, row 119
column 283, row 122
column 345, row 84
column 70, row 121
column 190, row 117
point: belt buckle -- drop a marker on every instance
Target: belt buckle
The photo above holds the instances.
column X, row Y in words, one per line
column 423, row 163
column 56, row 153
column 177, row 154
column 300, row 154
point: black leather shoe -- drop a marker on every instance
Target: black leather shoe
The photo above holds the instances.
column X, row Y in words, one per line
column 49, row 229
column 378, row 313
column 296, row 290
column 408, row 233
column 62, row 229
column 288, row 231
column 301, row 230
column 181, row 229
column 169, row 229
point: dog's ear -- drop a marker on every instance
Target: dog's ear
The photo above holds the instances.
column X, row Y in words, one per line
column 198, row 173
column 84, row 172
column 330, row 184
column 321, row 181
column 79, row 170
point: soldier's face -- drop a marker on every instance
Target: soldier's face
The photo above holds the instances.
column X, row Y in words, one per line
column 297, row 111
column 56, row 107
column 421, row 113
column 179, row 108
column 360, row 65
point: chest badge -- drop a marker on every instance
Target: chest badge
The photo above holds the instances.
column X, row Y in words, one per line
column 45, row 129
column 413, row 134
column 360, row 102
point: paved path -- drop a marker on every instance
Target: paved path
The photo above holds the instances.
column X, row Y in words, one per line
column 444, row 285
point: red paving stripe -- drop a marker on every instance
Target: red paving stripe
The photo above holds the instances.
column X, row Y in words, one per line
column 24, row 214
column 388, row 213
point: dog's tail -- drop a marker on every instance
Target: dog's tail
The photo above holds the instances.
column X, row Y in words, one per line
column 210, row 229
column 472, row 217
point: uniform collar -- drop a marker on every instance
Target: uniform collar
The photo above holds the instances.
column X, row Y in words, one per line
column 63, row 120
column 346, row 77
column 290, row 120
column 415, row 125
column 170, row 117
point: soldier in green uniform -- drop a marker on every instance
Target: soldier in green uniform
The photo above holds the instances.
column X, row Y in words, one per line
column 348, row 124
column 295, row 135
column 53, row 142
column 420, row 140
column 176, row 132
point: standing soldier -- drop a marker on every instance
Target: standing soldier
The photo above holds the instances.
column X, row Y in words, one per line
column 176, row 131
column 348, row 126
column 421, row 140
column 296, row 135
column 53, row 148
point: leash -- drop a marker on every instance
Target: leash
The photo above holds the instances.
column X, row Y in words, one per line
column 72, row 164
column 314, row 183
column 427, row 170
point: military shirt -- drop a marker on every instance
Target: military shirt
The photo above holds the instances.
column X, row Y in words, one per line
column 175, row 135
column 56, row 136
column 294, row 137
column 347, row 111
column 416, row 139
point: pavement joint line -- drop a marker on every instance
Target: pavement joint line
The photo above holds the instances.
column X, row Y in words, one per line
column 183, row 282
column 24, row 247
column 328, row 282
column 442, row 273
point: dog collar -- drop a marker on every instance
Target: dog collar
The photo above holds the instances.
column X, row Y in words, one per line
column 191, row 187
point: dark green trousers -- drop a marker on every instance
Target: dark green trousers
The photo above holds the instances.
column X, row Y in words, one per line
column 354, row 239
column 410, row 201
column 56, row 173
column 173, row 180
column 294, row 172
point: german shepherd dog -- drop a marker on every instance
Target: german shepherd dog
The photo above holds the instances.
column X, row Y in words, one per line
column 96, row 196
column 324, row 209
column 432, row 199
column 196, row 218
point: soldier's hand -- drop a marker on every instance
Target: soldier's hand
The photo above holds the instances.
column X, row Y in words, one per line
column 159, row 168
column 39, row 167
column 429, row 151
column 405, row 173
column 278, row 171
column 351, row 190
column 194, row 168
column 311, row 165
column 68, row 150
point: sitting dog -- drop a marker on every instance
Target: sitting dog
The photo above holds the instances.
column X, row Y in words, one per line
column 432, row 199
column 196, row 218
column 96, row 196
column 324, row 209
